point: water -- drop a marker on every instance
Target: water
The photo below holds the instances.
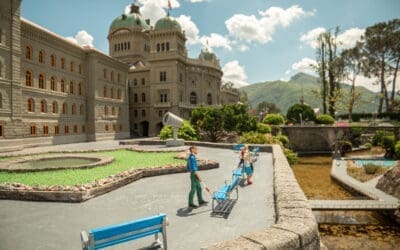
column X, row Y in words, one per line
column 382, row 163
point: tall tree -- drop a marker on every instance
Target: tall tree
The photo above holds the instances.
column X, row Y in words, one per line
column 395, row 57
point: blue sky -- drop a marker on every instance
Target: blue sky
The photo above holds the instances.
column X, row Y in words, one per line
column 255, row 40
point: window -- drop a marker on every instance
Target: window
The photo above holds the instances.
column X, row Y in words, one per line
column 80, row 88
column 56, row 129
column 105, row 110
column 135, row 126
column 143, row 97
column 62, row 63
column 53, row 60
column 193, row 98
column 105, row 91
column 163, row 76
column 33, row 130
column 28, row 78
column 75, row 129
column 119, row 94
column 53, row 84
column 112, row 92
column 160, row 113
column 105, row 73
column 45, row 130
column 134, row 82
column 106, row 127
column 41, row 56
column 180, row 77
column 1, row 130
column 135, row 99
column 43, row 106
column 209, row 99
column 83, row 129
column 55, row 107
column 31, row 105
column 143, row 81
column 41, row 82
column 158, row 47
column 66, row 129
column 28, row 52
column 162, row 47
column 65, row 108
column 118, row 78
column 167, row 46
column 71, row 87
column 143, row 113
column 62, row 86
column 72, row 66
column 135, row 113
column 73, row 109
column 81, row 109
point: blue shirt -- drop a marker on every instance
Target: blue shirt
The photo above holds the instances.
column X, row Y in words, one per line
column 192, row 163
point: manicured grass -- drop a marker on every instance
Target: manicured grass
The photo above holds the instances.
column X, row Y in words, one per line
column 124, row 160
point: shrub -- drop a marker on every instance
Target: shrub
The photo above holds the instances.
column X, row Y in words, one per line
column 378, row 137
column 367, row 145
column 284, row 139
column 325, row 119
column 397, row 149
column 274, row 119
column 370, row 168
column 263, row 128
column 290, row 156
column 186, row 132
column 293, row 113
column 253, row 138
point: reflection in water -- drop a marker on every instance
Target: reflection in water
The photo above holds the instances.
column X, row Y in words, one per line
column 343, row 229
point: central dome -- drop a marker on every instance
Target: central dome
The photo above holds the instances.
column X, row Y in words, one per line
column 128, row 21
column 167, row 23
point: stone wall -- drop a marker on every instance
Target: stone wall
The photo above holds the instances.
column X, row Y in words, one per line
column 295, row 228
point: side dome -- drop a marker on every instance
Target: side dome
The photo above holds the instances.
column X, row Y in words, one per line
column 207, row 55
column 128, row 21
column 167, row 23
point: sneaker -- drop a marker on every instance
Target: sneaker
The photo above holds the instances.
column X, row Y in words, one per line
column 203, row 203
column 249, row 182
column 193, row 206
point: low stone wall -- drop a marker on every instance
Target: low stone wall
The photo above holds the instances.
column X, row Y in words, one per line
column 295, row 228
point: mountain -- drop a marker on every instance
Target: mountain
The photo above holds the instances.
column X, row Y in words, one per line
column 286, row 94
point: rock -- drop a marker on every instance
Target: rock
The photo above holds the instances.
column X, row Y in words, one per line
column 390, row 182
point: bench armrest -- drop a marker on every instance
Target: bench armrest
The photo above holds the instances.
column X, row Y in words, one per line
column 84, row 240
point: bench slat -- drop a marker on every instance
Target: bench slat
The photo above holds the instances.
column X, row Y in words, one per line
column 107, row 243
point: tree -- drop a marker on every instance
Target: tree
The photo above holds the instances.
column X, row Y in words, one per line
column 268, row 107
column 208, row 121
column 237, row 118
column 395, row 57
column 300, row 112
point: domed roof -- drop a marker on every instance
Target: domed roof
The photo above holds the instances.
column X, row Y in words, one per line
column 133, row 19
column 207, row 55
column 166, row 23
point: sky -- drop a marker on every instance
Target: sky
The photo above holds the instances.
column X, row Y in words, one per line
column 255, row 40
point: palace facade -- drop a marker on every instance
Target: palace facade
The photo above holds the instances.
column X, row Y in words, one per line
column 53, row 91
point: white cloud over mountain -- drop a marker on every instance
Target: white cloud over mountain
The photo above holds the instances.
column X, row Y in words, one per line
column 235, row 73
column 346, row 39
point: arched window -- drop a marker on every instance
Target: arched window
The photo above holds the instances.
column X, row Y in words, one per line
column 53, row 60
column 55, row 107
column 167, row 46
column 41, row 56
column 209, row 99
column 65, row 108
column 162, row 47
column 143, row 113
column 71, row 87
column 143, row 81
column 31, row 105
column 112, row 92
column 119, row 94
column 143, row 97
column 113, row 111
column 28, row 52
column 53, row 84
column 80, row 88
column 135, row 98
column 62, row 86
column 105, row 110
column 193, row 98
column 158, row 47
column 62, row 63
column 81, row 109
column 73, row 110
column 28, row 78
column 43, row 106
column 41, row 82
column 105, row 91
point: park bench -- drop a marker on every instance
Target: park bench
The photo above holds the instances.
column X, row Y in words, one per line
column 222, row 197
column 103, row 237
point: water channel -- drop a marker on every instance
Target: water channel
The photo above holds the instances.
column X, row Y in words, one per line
column 343, row 229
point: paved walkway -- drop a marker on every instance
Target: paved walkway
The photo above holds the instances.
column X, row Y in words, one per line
column 381, row 200
column 48, row 225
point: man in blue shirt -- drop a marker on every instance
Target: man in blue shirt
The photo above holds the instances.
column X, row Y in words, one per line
column 195, row 179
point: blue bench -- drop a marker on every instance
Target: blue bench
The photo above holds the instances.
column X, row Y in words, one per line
column 103, row 237
column 223, row 194
column 238, row 147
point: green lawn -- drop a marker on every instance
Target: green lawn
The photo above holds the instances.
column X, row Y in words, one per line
column 124, row 160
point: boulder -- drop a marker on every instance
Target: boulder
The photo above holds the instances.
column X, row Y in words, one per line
column 390, row 182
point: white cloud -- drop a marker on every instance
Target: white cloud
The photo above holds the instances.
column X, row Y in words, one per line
column 154, row 9
column 251, row 28
column 311, row 37
column 190, row 28
column 215, row 40
column 349, row 37
column 82, row 38
column 197, row 1
column 243, row 48
column 305, row 65
column 235, row 73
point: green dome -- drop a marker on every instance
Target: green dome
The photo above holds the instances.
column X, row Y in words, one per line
column 128, row 21
column 167, row 23
column 207, row 55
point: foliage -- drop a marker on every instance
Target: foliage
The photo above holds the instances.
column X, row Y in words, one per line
column 253, row 138
column 370, row 168
column 367, row 145
column 325, row 119
column 284, row 139
column 397, row 149
column 307, row 113
column 268, row 107
column 378, row 137
column 124, row 160
column 186, row 132
column 274, row 119
column 208, row 121
column 263, row 128
column 290, row 156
